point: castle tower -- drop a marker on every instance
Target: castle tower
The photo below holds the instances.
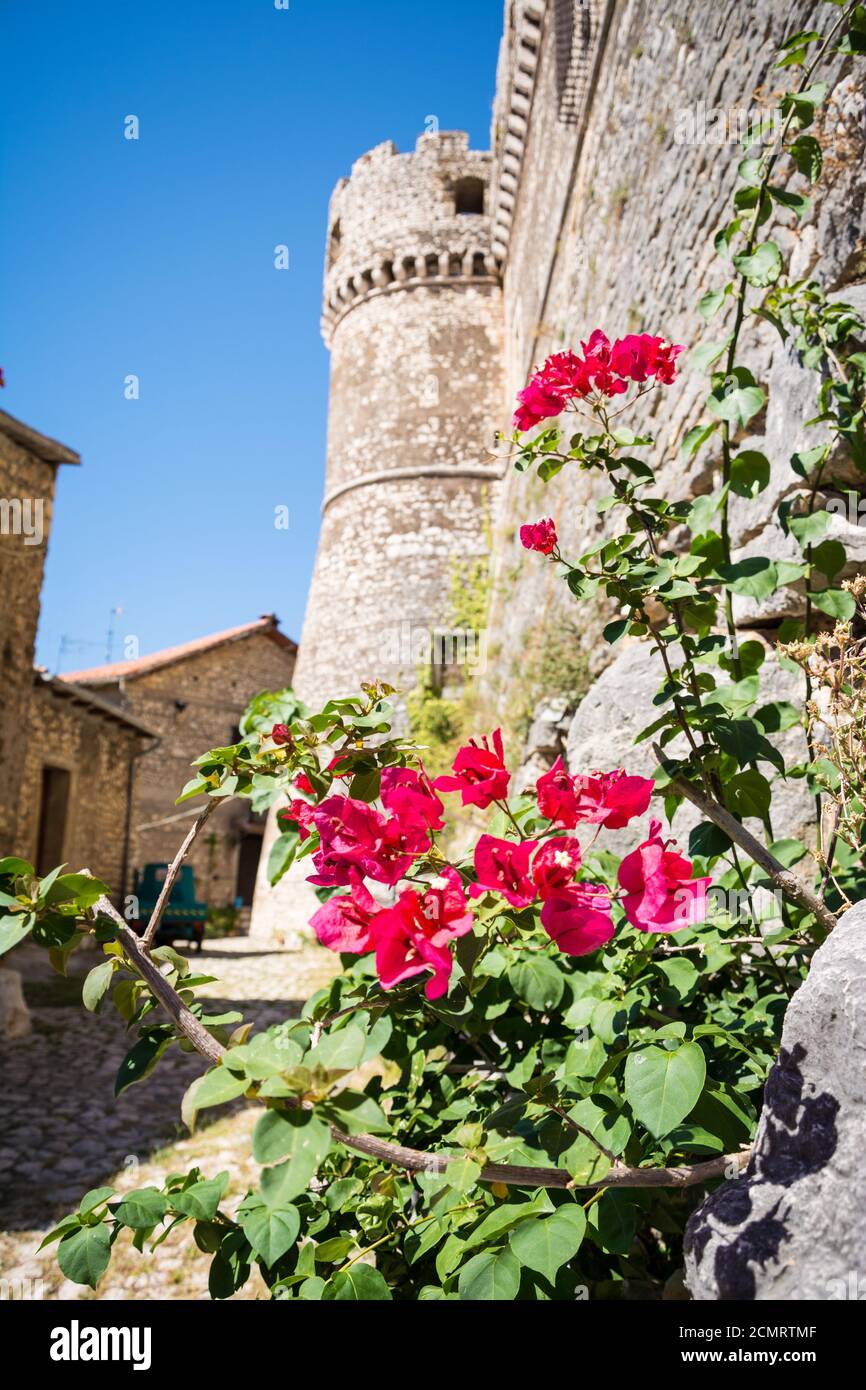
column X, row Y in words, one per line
column 412, row 315
column 413, row 318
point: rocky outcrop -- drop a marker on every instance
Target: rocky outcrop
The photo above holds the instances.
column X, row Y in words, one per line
column 620, row 704
column 793, row 1227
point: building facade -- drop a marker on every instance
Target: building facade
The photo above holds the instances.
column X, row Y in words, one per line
column 193, row 696
column 65, row 755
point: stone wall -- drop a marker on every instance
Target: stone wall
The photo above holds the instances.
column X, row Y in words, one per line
column 610, row 224
column 24, row 476
column 96, row 751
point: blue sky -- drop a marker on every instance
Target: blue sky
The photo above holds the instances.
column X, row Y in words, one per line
column 155, row 258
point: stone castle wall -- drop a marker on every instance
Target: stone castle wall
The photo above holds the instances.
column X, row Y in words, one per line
column 413, row 315
column 610, row 225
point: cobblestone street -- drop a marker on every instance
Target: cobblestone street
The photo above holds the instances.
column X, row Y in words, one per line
column 64, row 1132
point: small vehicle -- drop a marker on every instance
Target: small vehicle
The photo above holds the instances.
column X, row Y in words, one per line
column 184, row 917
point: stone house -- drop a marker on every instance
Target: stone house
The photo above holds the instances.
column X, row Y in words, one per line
column 193, row 696
column 65, row 755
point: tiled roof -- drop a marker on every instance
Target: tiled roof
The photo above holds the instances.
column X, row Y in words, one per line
column 39, row 444
column 267, row 626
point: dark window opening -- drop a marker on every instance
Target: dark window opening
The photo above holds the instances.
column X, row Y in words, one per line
column 334, row 242
column 469, row 197
column 478, row 265
column 249, row 853
column 53, row 811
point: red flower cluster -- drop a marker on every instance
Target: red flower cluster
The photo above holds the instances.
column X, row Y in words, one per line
column 611, row 799
column 410, row 938
column 413, row 935
column 541, row 536
column 603, row 370
column 575, row 915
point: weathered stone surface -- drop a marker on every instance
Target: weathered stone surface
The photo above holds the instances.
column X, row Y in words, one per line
column 14, row 1013
column 619, row 705
column 793, row 1227
column 545, row 742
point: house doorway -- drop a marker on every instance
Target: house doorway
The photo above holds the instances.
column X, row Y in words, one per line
column 249, row 853
column 53, row 813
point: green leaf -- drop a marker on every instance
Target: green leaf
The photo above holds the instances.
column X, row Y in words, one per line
column 696, row 437
column 738, row 406
column 763, row 267
column 297, row 1133
column 710, row 303
column 506, row 1216
column 214, row 1088
column 270, row 1231
column 141, row 1059
column 808, row 156
column 83, row 1255
column 756, row 577
column 95, row 985
column 358, row 1284
column 703, row 356
column 680, row 974
column 94, row 1198
column 339, row 1051
column 837, row 602
column 808, row 529
column 750, row 473
column 201, row 1199
column 539, row 983
column 356, row 1113
column 141, row 1209
column 282, row 855
column 462, row 1174
column 662, row 1087
column 14, row 929
column 546, row 1245
column 491, row 1276
column 829, row 558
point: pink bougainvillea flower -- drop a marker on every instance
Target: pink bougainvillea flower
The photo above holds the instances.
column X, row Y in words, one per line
column 282, row 735
column 555, row 865
column 300, row 814
column 410, row 797
column 660, row 893
column 565, row 375
column 415, row 934
column 638, row 356
column 502, row 866
column 611, row 799
column 556, row 797
column 354, row 835
column 535, row 404
column 578, row 918
column 303, row 784
column 597, row 353
column 540, row 536
column 480, row 774
column 345, row 923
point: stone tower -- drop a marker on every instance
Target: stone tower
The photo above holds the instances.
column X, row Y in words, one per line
column 413, row 318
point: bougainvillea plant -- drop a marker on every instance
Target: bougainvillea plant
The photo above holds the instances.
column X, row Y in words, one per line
column 537, row 1053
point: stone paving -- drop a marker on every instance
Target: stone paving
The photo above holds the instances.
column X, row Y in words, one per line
column 63, row 1131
